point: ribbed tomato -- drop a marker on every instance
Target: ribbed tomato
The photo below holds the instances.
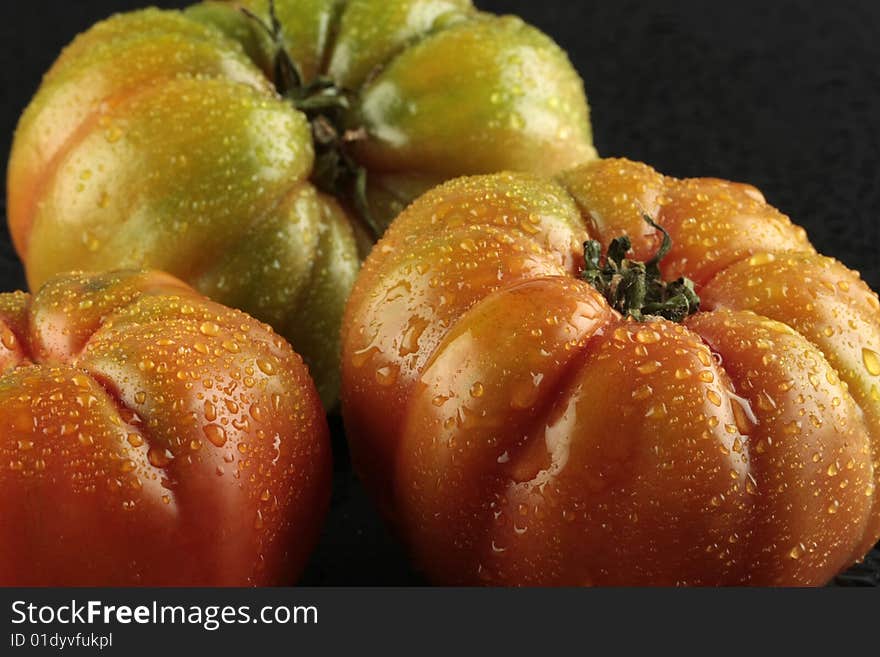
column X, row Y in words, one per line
column 149, row 436
column 246, row 151
column 524, row 415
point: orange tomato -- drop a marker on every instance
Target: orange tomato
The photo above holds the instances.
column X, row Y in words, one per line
column 149, row 436
column 517, row 429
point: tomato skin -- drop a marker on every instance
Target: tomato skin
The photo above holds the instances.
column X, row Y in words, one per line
column 831, row 307
column 153, row 437
column 436, row 265
column 158, row 139
column 515, row 430
column 516, row 99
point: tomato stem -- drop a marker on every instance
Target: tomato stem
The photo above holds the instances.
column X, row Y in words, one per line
column 327, row 108
column 637, row 289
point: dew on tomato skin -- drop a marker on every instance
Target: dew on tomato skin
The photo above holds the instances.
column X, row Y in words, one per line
column 209, row 329
column 642, row 392
column 215, row 434
column 159, row 457
column 657, row 411
column 792, row 428
column 683, row 373
column 871, row 360
column 266, row 366
column 67, row 429
column 412, row 334
column 256, row 412
column 649, row 367
column 8, row 339
column 751, row 484
column 761, row 259
column 797, row 551
column 387, row 375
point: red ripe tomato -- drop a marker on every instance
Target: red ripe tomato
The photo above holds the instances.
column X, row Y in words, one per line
column 528, row 415
column 149, row 436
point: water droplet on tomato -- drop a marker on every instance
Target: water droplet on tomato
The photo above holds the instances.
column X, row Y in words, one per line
column 210, row 329
column 751, row 484
column 8, row 339
column 647, row 336
column 266, row 366
column 650, row 367
column 642, row 392
column 159, row 457
column 872, row 361
column 761, row 259
column 387, row 375
column 215, row 434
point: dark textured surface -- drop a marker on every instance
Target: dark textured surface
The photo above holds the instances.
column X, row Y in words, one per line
column 785, row 95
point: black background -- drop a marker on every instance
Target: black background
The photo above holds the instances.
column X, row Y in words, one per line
column 783, row 94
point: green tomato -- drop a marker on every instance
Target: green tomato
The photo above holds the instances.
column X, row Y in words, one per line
column 257, row 149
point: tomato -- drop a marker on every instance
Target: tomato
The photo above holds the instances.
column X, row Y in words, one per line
column 249, row 153
column 520, row 422
column 149, row 436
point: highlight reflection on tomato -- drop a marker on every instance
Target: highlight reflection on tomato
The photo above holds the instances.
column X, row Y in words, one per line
column 149, row 436
column 517, row 429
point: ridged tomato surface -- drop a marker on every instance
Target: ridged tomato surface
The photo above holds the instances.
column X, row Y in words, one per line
column 515, row 429
column 149, row 436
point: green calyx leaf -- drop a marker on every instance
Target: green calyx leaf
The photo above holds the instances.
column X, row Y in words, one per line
column 637, row 289
column 326, row 106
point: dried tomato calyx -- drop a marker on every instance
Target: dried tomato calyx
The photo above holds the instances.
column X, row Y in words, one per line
column 327, row 108
column 637, row 289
